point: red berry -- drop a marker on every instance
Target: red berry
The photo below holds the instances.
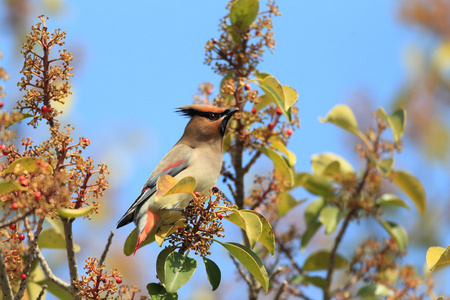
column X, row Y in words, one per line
column 23, row 276
column 1, row 104
column 14, row 206
column 289, row 131
column 44, row 109
column 5, row 152
column 23, row 181
column 21, row 237
column 87, row 141
column 22, row 178
column 118, row 280
column 2, row 147
column 230, row 54
column 196, row 194
column 37, row 194
column 179, row 228
column 279, row 112
column 220, row 216
column 247, row 87
column 50, row 109
column 12, row 226
column 214, row 41
column 256, row 33
column 254, row 111
column 103, row 279
column 271, row 126
column 215, row 189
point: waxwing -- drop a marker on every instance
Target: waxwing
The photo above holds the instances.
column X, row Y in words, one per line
column 198, row 153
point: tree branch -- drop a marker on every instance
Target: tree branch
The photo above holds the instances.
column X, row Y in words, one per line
column 15, row 219
column 71, row 258
column 4, row 280
column 252, row 161
column 49, row 274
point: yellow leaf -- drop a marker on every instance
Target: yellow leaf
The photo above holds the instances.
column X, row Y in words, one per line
column 437, row 256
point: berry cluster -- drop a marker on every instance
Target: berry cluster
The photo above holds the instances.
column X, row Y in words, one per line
column 203, row 223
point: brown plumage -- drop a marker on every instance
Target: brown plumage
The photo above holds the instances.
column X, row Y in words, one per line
column 198, row 153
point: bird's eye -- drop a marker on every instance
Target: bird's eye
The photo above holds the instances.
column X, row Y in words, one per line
column 212, row 116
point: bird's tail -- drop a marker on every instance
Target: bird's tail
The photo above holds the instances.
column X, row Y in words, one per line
column 152, row 219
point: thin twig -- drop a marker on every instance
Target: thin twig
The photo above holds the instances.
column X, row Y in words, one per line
column 280, row 290
column 252, row 161
column 44, row 287
column 4, row 280
column 108, row 244
column 356, row 193
column 15, row 219
column 49, row 274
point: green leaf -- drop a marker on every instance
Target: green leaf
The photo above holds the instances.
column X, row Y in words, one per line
column 266, row 237
column 321, row 162
column 342, row 116
column 317, row 281
column 75, row 213
column 385, row 166
column 28, row 164
column 273, row 88
column 412, row 187
column 167, row 185
column 397, row 121
column 330, row 217
column 375, row 290
column 440, row 298
column 130, row 242
column 250, row 261
column 264, row 100
column 313, row 209
column 243, row 13
column 158, row 292
column 279, row 162
column 311, row 230
column 161, row 263
column 290, row 96
column 22, row 117
column 10, row 186
column 276, row 143
column 178, row 270
column 287, row 202
column 56, row 224
column 315, row 184
column 391, row 200
column 213, row 272
column 249, row 222
column 53, row 239
column 437, row 256
column 320, row 260
column 396, row 232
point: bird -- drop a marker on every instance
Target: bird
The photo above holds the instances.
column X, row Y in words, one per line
column 198, row 153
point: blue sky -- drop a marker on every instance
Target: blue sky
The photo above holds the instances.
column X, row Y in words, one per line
column 135, row 61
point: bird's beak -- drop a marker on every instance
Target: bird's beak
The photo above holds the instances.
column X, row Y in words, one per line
column 228, row 114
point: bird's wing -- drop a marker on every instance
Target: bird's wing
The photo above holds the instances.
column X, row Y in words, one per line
column 175, row 161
